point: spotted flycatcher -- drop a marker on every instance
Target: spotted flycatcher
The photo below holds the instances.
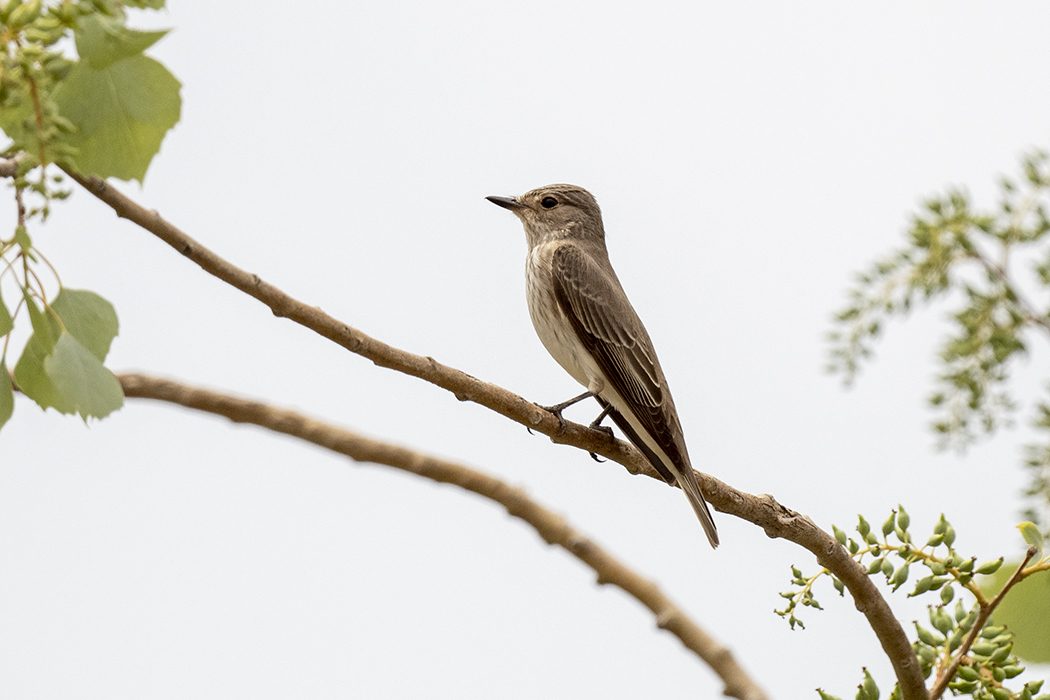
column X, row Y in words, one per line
column 587, row 324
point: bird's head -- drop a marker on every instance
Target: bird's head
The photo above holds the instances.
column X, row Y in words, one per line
column 556, row 211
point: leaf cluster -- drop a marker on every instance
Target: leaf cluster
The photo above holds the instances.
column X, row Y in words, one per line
column 986, row 265
column 979, row 662
column 104, row 112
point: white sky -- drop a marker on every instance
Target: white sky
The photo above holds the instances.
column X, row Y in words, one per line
column 749, row 157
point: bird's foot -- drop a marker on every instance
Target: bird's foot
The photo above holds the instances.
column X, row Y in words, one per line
column 557, row 408
column 596, row 425
column 556, row 411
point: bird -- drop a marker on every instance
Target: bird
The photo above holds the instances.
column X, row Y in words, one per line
column 586, row 322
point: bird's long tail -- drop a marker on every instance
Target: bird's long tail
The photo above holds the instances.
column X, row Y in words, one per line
column 687, row 480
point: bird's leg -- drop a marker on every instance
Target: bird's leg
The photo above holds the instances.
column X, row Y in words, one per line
column 596, row 424
column 556, row 409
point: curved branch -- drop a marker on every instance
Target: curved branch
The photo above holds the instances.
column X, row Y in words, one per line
column 550, row 526
column 764, row 511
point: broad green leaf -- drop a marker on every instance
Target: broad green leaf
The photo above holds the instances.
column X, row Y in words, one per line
column 1025, row 611
column 1032, row 535
column 29, row 370
column 122, row 114
column 6, row 322
column 45, row 328
column 7, row 395
column 81, row 380
column 17, row 119
column 89, row 318
column 102, row 40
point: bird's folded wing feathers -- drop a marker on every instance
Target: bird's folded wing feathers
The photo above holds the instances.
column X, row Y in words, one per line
column 610, row 329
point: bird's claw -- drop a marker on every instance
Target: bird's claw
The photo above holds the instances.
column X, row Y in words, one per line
column 556, row 412
column 596, row 425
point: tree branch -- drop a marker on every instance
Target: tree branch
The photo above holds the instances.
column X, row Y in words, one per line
column 550, row 526
column 764, row 511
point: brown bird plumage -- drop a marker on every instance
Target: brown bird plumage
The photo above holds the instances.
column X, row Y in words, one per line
column 586, row 322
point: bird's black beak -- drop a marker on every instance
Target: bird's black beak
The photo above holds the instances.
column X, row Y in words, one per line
column 506, row 202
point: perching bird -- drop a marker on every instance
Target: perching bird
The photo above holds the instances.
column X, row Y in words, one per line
column 587, row 324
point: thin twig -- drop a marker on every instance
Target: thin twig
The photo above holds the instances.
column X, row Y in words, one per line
column 997, row 272
column 550, row 526
column 764, row 511
column 946, row 676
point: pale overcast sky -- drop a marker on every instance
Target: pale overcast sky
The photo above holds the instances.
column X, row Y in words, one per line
column 749, row 158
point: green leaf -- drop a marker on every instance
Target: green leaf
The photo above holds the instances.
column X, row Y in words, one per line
column 1030, row 532
column 45, row 327
column 7, row 395
column 89, row 318
column 29, row 370
column 103, row 40
column 81, row 380
column 1025, row 611
column 122, row 114
column 6, row 322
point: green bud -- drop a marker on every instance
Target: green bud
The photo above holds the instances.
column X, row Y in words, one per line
column 937, row 568
column 870, row 538
column 983, row 648
column 921, row 586
column 887, row 568
column 949, row 535
column 826, row 696
column 940, row 620
column 1012, row 671
column 1000, row 694
column 963, row 686
column 24, row 14
column 853, row 547
column 928, row 637
column 838, row 585
column 887, row 527
column 955, row 641
column 997, row 674
column 6, row 8
column 903, row 519
column 900, row 577
column 947, row 593
column 902, row 534
column 1034, row 686
column 969, row 673
column 903, row 550
column 870, row 689
column 1000, row 654
column 875, row 566
column 967, row 622
column 941, row 526
column 839, row 535
column 967, row 566
column 935, row 541
column 965, row 578
column 991, row 632
column 862, row 527
column 990, row 567
column 925, row 653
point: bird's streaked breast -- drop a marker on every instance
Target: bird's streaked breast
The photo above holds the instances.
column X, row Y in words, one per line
column 549, row 320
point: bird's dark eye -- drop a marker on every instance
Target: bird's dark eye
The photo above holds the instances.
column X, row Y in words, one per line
column 549, row 202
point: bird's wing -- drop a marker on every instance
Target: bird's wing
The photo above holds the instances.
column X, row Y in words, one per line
column 609, row 328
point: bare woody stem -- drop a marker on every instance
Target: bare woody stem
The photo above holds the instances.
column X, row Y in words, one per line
column 550, row 526
column 986, row 609
column 764, row 511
